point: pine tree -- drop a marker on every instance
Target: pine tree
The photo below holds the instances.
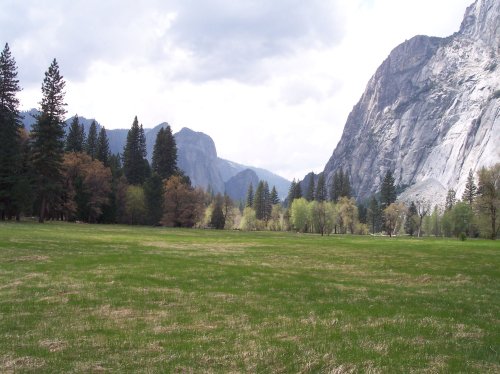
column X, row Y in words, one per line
column 321, row 189
column 470, row 191
column 345, row 183
column 374, row 215
column 135, row 166
column 268, row 207
column 103, row 153
column 411, row 217
column 76, row 135
column 10, row 151
column 259, row 201
column 388, row 191
column 274, row 196
column 249, row 200
column 451, row 200
column 164, row 161
column 48, row 139
column 91, row 144
column 310, row 188
column 153, row 195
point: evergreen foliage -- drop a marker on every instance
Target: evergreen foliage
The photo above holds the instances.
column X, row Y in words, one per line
column 164, row 161
column 470, row 191
column 341, row 186
column 310, row 188
column 153, row 195
column 48, row 140
column 274, row 196
column 103, row 153
column 411, row 219
column 76, row 136
column 388, row 191
column 321, row 194
column 10, row 151
column 249, row 199
column 91, row 143
column 451, row 200
column 374, row 215
column 135, row 165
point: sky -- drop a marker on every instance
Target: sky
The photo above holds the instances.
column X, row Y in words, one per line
column 272, row 82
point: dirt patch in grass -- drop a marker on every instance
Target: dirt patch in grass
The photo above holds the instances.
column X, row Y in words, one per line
column 56, row 345
column 9, row 364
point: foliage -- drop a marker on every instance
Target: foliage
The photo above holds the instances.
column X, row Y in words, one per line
column 183, row 205
column 10, row 151
column 321, row 194
column 48, row 140
column 164, row 161
column 310, row 188
column 341, row 186
column 394, row 216
column 374, row 215
column 248, row 220
column 76, row 136
column 387, row 191
column 153, row 194
column 488, row 200
column 451, row 200
column 299, row 217
column 411, row 220
column 470, row 191
column 249, row 199
column 135, row 205
column 90, row 181
column 218, row 220
column 462, row 216
column 347, row 214
column 103, row 153
column 135, row 165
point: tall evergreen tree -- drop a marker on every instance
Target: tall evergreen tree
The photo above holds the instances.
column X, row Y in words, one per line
column 411, row 219
column 91, row 143
column 268, row 206
column 153, row 195
column 310, row 188
column 451, row 200
column 259, row 201
column 249, row 200
column 76, row 136
column 387, row 191
column 164, row 161
column 470, row 191
column 321, row 194
column 48, row 139
column 274, row 196
column 135, row 166
column 341, row 186
column 10, row 151
column 103, row 153
column 374, row 215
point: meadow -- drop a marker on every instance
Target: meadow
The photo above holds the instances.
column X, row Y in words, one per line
column 105, row 298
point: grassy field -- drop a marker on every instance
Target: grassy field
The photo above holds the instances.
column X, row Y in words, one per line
column 85, row 298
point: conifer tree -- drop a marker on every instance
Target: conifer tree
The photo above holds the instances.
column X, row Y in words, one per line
column 103, row 153
column 374, row 215
column 470, row 191
column 310, row 188
column 388, row 191
column 411, row 219
column 249, row 200
column 164, row 161
column 321, row 189
column 135, row 165
column 75, row 137
column 451, row 200
column 274, row 196
column 259, row 201
column 153, row 196
column 48, row 139
column 268, row 207
column 91, row 144
column 10, row 151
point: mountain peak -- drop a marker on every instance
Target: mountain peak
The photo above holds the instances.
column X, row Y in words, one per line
column 481, row 22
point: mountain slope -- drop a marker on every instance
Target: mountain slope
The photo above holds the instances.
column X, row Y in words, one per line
column 431, row 111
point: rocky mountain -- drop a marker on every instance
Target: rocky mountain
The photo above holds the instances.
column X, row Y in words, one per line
column 430, row 113
column 237, row 187
column 197, row 157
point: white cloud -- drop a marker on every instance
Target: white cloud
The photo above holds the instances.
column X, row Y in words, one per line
column 271, row 82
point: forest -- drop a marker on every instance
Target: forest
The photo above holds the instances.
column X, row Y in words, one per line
column 53, row 173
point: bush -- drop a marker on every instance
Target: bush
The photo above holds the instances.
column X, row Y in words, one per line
column 462, row 236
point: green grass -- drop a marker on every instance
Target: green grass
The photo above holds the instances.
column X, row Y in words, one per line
column 85, row 298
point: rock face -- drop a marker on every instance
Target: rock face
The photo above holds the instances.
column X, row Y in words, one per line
column 430, row 112
column 197, row 157
column 237, row 186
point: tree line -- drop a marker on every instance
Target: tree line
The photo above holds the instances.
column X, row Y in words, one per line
column 69, row 175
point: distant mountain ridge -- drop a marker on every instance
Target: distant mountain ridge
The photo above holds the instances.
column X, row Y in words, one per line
column 430, row 113
column 197, row 157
